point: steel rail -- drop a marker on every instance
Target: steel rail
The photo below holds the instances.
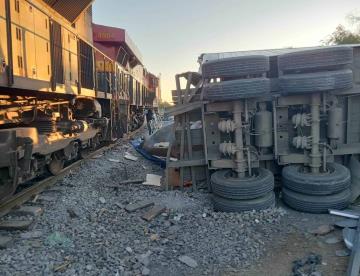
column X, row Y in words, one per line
column 26, row 194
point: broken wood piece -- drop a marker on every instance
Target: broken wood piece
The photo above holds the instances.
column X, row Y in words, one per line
column 139, row 205
column 153, row 180
column 13, row 225
column 153, row 212
column 26, row 210
column 130, row 157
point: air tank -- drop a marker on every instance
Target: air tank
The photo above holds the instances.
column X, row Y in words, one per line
column 263, row 128
column 335, row 128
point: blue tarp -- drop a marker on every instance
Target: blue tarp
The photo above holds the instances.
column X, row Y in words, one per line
column 137, row 146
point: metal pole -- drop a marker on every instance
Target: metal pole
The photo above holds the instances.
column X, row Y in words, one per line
column 315, row 162
column 240, row 168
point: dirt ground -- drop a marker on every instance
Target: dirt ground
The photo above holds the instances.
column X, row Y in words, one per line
column 298, row 243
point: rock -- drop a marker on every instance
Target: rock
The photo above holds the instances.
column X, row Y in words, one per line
column 188, row 261
column 316, row 273
column 144, row 258
column 5, row 242
column 332, row 240
column 72, row 213
column 154, row 237
column 129, row 249
column 342, row 253
column 145, row 271
column 31, row 235
column 102, row 200
column 89, row 267
column 323, row 230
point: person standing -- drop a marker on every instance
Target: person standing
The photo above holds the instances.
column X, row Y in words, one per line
column 149, row 118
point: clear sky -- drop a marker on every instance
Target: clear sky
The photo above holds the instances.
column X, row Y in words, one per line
column 171, row 34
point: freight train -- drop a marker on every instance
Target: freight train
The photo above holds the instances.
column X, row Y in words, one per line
column 66, row 85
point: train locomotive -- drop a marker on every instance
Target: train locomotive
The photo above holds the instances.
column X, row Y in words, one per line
column 66, row 86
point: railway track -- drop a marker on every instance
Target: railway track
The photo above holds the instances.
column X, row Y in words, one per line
column 27, row 194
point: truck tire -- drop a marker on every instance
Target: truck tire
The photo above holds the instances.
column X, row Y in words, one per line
column 316, row 82
column 337, row 180
column 235, row 206
column 235, row 67
column 316, row 204
column 226, row 186
column 236, row 89
column 325, row 58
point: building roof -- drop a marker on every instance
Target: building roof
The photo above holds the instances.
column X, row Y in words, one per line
column 69, row 9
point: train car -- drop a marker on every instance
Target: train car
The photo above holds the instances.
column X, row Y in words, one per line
column 137, row 85
column 59, row 95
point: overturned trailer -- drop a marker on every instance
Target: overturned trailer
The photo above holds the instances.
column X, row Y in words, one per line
column 288, row 112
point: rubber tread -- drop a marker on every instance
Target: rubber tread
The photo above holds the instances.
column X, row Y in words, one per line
column 242, row 188
column 316, row 204
column 330, row 57
column 337, row 180
column 316, row 82
column 235, row 206
column 237, row 89
column 235, row 67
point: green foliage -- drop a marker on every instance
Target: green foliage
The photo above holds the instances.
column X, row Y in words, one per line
column 344, row 36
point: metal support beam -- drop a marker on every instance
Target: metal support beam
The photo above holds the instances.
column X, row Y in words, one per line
column 240, row 161
column 315, row 155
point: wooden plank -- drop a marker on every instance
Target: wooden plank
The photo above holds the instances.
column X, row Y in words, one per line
column 190, row 153
column 182, row 151
column 183, row 108
column 187, row 163
column 139, row 205
column 14, row 225
column 153, row 212
column 26, row 210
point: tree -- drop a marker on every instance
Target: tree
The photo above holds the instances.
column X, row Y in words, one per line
column 343, row 35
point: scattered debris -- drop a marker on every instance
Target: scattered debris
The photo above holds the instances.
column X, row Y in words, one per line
column 154, row 237
column 347, row 223
column 153, row 180
column 31, row 235
column 342, row 253
column 332, row 240
column 114, row 160
column 129, row 250
column 145, row 271
column 188, row 261
column 26, row 210
column 139, row 205
column 102, row 200
column 349, row 236
column 97, row 156
column 323, row 230
column 130, row 157
column 153, row 212
column 63, row 267
column 72, row 213
column 307, row 266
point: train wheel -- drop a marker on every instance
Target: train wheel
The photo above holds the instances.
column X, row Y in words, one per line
column 56, row 164
column 7, row 186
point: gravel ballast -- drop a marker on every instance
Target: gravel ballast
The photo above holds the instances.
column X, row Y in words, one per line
column 87, row 231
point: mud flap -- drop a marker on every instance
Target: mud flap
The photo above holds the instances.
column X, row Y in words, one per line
column 354, row 167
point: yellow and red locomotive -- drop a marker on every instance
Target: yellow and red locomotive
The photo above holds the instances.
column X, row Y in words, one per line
column 66, row 85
